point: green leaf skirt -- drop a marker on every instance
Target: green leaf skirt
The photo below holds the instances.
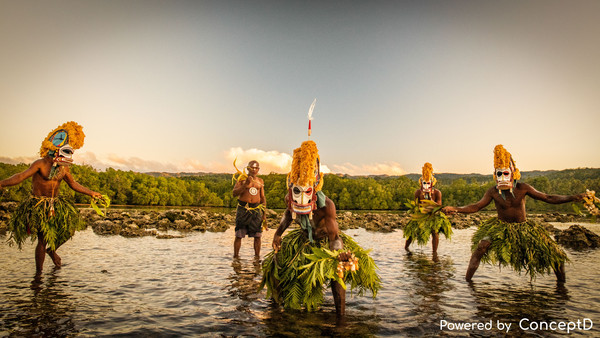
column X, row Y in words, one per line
column 56, row 218
column 523, row 246
column 295, row 283
column 421, row 229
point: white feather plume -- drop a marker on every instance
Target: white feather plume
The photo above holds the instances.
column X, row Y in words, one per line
column 310, row 110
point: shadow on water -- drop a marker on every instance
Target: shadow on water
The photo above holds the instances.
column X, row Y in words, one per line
column 47, row 311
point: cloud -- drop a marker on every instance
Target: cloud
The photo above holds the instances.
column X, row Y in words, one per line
column 270, row 161
column 18, row 160
column 385, row 168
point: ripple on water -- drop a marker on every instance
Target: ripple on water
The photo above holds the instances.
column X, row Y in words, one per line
column 111, row 285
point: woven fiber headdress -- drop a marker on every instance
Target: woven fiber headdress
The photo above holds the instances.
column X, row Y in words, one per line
column 75, row 137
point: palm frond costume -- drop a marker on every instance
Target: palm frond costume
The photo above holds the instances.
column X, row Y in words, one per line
column 35, row 214
column 53, row 216
column 426, row 215
column 426, row 218
column 297, row 275
column 522, row 246
column 295, row 283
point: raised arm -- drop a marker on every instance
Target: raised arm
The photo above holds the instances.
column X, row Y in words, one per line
column 240, row 186
column 471, row 208
column 78, row 187
column 22, row 176
column 552, row 199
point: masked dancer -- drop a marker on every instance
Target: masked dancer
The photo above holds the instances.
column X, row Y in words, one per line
column 425, row 222
column 510, row 239
column 45, row 214
column 307, row 259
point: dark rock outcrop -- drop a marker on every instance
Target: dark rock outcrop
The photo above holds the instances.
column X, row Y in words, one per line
column 578, row 238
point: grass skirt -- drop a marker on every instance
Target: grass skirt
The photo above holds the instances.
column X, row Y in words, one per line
column 420, row 230
column 295, row 283
column 525, row 245
column 34, row 215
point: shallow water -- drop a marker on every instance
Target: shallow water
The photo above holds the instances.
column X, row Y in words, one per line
column 111, row 285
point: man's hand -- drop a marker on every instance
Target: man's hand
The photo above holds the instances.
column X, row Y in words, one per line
column 344, row 256
column 276, row 242
column 449, row 210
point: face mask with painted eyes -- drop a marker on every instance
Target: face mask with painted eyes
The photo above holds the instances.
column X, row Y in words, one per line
column 426, row 186
column 503, row 178
column 64, row 154
column 302, row 199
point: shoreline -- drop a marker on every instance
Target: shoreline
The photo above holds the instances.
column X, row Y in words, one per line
column 150, row 221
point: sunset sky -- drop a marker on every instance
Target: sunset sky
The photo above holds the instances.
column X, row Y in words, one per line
column 191, row 85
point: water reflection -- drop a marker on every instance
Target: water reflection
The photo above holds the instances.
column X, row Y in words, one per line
column 509, row 303
column 430, row 280
column 245, row 280
column 324, row 322
column 48, row 311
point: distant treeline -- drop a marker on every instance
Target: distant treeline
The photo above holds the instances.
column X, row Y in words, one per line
column 348, row 192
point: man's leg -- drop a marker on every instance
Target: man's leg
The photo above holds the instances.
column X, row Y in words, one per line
column 40, row 254
column 435, row 240
column 339, row 298
column 407, row 243
column 561, row 276
column 256, row 246
column 482, row 248
column 55, row 257
column 237, row 244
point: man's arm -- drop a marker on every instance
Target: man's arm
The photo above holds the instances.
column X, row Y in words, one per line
column 333, row 231
column 437, row 196
column 263, row 199
column 552, row 199
column 286, row 220
column 78, row 187
column 240, row 187
column 22, row 176
column 418, row 194
column 471, row 208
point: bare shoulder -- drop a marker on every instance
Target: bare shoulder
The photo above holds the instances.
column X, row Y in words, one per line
column 39, row 163
column 491, row 190
column 329, row 207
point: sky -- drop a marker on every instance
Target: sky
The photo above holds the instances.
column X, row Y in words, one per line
column 189, row 86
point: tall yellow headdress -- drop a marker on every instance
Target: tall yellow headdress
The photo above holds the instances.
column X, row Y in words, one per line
column 503, row 159
column 427, row 174
column 305, row 166
column 74, row 137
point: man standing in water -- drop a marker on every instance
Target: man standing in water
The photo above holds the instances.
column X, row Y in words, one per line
column 511, row 239
column 287, row 270
column 251, row 208
column 435, row 223
column 45, row 214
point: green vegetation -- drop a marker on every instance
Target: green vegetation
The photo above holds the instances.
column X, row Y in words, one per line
column 348, row 192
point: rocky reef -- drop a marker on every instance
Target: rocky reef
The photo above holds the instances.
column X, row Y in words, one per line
column 130, row 222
